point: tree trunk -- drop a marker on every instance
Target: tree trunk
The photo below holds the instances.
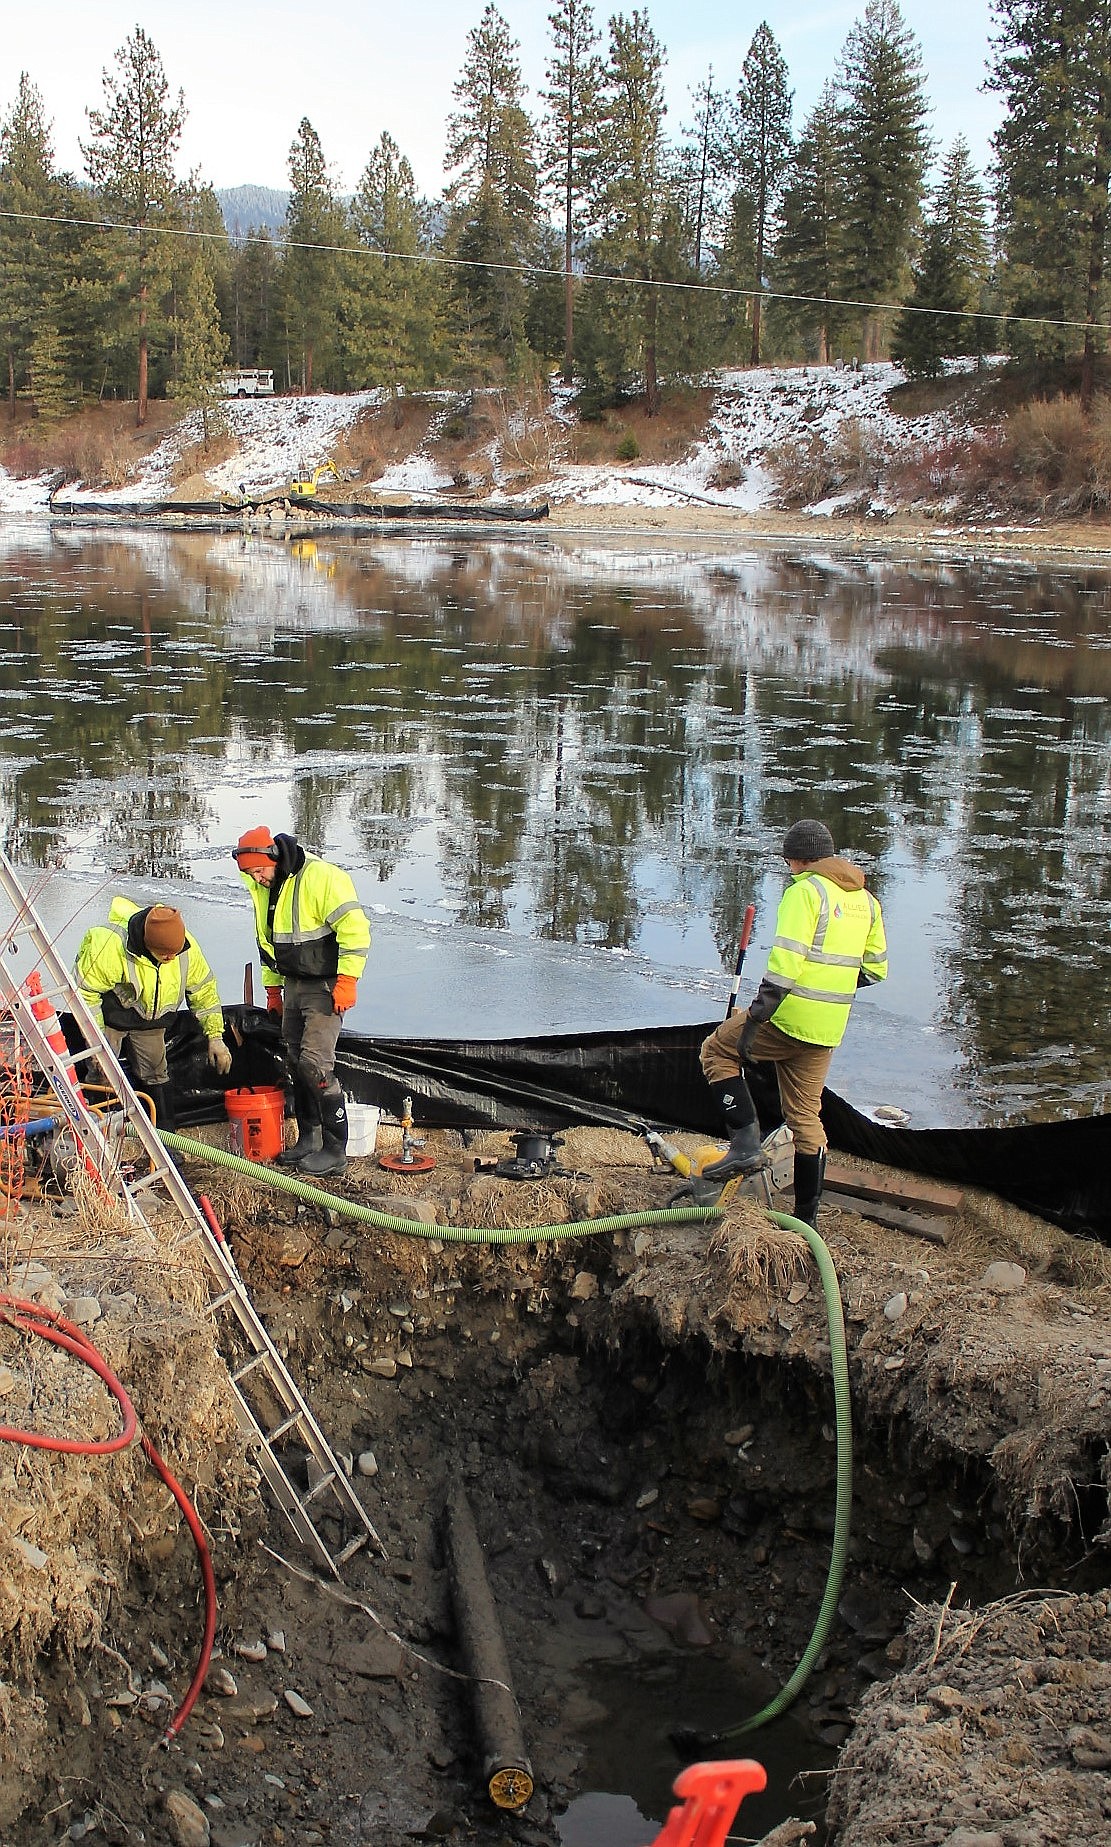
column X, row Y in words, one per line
column 568, row 301
column 143, row 357
column 11, row 384
column 1097, row 241
column 651, row 377
column 308, row 365
column 754, row 351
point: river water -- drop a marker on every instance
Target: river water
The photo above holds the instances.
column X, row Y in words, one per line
column 559, row 769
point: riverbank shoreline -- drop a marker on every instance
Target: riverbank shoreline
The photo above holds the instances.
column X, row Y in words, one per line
column 696, row 526
column 899, row 533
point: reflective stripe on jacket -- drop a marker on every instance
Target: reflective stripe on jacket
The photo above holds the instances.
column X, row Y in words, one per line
column 825, row 936
column 318, row 928
column 123, row 986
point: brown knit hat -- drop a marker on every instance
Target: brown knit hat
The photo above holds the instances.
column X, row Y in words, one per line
column 164, row 932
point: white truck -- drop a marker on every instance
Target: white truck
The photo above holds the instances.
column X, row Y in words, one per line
column 249, row 382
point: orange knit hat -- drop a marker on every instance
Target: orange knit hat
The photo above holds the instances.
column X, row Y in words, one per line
column 255, row 848
column 164, row 932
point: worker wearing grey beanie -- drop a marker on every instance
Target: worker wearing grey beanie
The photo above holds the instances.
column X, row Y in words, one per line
column 829, row 941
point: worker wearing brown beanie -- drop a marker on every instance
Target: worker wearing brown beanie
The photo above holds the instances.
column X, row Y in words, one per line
column 133, row 973
column 829, row 941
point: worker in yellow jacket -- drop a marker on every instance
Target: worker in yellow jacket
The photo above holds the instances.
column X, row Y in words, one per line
column 829, row 941
column 313, row 938
column 134, row 972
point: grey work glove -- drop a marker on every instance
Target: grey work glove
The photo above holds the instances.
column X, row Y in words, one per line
column 219, row 1057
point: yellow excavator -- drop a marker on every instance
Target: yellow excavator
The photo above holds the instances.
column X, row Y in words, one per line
column 310, row 483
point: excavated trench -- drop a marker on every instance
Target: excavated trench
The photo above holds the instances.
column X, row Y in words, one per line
column 644, row 1428
column 656, row 1507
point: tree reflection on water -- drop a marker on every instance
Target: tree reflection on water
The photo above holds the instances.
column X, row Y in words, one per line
column 599, row 744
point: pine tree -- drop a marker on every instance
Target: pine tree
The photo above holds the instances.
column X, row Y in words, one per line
column 315, row 229
column 203, row 350
column 48, row 374
column 490, row 152
column 950, row 273
column 887, row 150
column 393, row 295
column 631, row 186
column 927, row 331
column 30, row 240
column 762, row 148
column 254, row 295
column 810, row 256
column 130, row 159
column 702, row 160
column 1053, row 154
column 206, row 240
column 570, row 134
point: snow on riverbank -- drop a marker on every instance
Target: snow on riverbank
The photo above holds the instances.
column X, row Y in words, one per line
column 753, row 413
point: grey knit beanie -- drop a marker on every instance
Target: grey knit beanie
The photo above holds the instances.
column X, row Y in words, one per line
column 808, row 840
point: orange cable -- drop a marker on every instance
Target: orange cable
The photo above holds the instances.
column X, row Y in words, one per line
column 34, row 1318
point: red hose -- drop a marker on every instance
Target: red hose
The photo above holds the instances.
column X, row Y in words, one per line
column 33, row 1318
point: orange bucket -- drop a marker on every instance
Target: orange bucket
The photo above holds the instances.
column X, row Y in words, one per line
column 256, row 1119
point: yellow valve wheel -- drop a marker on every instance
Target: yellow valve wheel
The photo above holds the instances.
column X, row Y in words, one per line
column 510, row 1787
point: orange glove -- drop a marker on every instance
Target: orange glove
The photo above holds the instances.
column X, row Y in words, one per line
column 274, row 1001
column 343, row 993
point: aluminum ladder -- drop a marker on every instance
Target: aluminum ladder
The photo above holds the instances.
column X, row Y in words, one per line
column 263, row 1371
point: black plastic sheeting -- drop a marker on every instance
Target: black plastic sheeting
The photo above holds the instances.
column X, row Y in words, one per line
column 1060, row 1171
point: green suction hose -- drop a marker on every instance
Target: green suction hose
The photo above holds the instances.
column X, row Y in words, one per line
column 839, row 1360
column 625, row 1221
column 411, row 1228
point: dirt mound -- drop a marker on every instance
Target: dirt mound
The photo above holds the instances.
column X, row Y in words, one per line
column 998, row 1726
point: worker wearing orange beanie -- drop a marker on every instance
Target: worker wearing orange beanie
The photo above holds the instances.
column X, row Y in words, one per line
column 313, row 937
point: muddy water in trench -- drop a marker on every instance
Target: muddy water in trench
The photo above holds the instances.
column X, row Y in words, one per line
column 559, row 771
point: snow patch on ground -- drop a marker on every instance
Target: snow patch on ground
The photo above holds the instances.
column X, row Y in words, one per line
column 753, row 413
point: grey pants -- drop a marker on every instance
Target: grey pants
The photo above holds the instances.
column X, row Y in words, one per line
column 310, row 1029
column 146, row 1053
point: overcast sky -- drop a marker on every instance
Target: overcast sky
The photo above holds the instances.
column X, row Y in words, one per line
column 250, row 70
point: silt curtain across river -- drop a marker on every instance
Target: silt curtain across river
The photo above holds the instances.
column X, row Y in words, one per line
column 559, row 771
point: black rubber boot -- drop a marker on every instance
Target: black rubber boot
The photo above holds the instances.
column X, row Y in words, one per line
column 331, row 1156
column 809, row 1171
column 744, row 1154
column 310, row 1140
column 162, row 1096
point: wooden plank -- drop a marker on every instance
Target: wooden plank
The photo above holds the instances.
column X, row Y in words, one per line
column 909, row 1190
column 935, row 1228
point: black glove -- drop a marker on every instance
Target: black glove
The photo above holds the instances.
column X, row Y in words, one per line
column 744, row 1043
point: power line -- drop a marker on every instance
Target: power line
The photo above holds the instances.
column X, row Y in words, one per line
column 437, row 259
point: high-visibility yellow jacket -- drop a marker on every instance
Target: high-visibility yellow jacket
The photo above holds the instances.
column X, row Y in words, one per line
column 126, row 989
column 829, row 940
column 311, row 925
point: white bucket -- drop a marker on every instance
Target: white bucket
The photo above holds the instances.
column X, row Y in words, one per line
column 362, row 1128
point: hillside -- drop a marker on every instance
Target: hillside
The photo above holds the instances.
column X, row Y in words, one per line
column 820, row 444
column 252, row 208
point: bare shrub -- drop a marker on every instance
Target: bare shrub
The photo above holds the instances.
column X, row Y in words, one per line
column 802, row 470
column 198, row 458
column 726, row 475
column 858, row 457
column 26, row 456
column 101, row 460
column 530, row 440
column 1059, row 459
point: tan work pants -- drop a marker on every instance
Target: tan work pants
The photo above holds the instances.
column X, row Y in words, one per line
column 801, row 1070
